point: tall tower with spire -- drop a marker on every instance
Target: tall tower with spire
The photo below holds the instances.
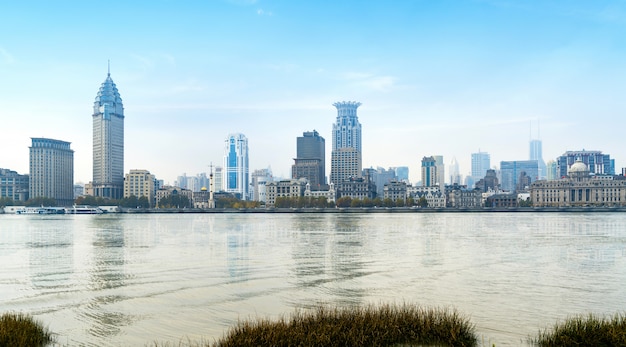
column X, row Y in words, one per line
column 346, row 152
column 108, row 142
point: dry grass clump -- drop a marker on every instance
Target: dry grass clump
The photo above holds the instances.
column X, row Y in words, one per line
column 585, row 331
column 17, row 330
column 386, row 325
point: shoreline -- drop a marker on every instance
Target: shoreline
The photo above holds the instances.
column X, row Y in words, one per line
column 378, row 210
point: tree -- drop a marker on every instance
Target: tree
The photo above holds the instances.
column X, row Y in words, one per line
column 377, row 202
column 388, row 202
column 143, row 202
column 356, row 203
column 422, row 202
column 410, row 201
column 6, row 201
column 175, row 201
column 344, row 201
column 399, row 202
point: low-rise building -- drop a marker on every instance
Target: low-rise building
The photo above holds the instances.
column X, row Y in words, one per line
column 357, row 188
column 167, row 191
column 284, row 188
column 461, row 197
column 13, row 185
column 435, row 199
column 140, row 183
column 395, row 190
column 328, row 192
column 579, row 188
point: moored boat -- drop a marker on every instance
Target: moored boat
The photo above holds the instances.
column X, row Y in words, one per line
column 85, row 210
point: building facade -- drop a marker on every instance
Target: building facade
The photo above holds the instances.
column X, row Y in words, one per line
column 454, row 173
column 579, row 188
column 481, row 162
column 512, row 171
column 596, row 161
column 51, row 171
column 357, row 188
column 395, row 190
column 108, row 142
column 140, row 183
column 346, row 160
column 429, row 172
column 260, row 178
column 13, row 185
column 236, row 173
column 536, row 153
column 284, row 188
column 310, row 161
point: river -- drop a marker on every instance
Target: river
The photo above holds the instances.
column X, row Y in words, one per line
column 135, row 279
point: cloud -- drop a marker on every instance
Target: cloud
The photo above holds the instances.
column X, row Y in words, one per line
column 262, row 12
column 6, row 56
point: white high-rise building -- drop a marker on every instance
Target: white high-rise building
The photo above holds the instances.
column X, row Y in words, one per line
column 346, row 160
column 236, row 172
column 108, row 142
column 441, row 172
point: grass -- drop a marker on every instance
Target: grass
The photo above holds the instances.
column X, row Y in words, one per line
column 587, row 330
column 17, row 330
column 386, row 325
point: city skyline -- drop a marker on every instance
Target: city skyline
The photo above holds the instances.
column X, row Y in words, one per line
column 446, row 78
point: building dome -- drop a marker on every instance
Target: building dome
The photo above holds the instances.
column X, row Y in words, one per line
column 578, row 166
column 203, row 189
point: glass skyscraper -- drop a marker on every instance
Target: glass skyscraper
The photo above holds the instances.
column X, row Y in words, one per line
column 108, row 142
column 536, row 154
column 346, row 152
column 236, row 171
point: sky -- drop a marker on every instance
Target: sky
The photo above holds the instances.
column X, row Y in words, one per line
column 445, row 77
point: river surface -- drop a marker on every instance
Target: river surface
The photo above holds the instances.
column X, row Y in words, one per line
column 132, row 280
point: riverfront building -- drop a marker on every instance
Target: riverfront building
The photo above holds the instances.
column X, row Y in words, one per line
column 284, row 189
column 51, row 171
column 13, row 185
column 236, row 172
column 346, row 160
column 310, row 161
column 140, row 183
column 108, row 142
column 579, row 188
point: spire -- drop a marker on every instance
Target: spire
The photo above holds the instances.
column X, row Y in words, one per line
column 109, row 68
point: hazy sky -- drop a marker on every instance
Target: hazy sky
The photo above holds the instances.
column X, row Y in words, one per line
column 434, row 77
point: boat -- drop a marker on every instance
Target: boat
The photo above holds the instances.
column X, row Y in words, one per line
column 40, row 210
column 85, row 210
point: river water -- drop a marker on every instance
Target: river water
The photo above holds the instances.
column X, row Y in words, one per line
column 132, row 280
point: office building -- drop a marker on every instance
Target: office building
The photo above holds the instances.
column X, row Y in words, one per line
column 512, row 171
column 310, row 161
column 346, row 160
column 441, row 172
column 402, row 173
column 429, row 172
column 454, row 173
column 51, row 171
column 551, row 170
column 536, row 154
column 13, row 185
column 236, row 172
column 259, row 180
column 596, row 161
column 140, row 183
column 108, row 142
column 481, row 162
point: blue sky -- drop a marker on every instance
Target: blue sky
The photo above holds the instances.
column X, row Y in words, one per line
column 434, row 77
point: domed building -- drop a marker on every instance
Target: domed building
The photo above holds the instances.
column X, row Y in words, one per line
column 579, row 188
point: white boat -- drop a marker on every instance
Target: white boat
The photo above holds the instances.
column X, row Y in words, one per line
column 85, row 210
column 40, row 210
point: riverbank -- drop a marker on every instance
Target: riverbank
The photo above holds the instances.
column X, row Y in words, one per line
column 377, row 210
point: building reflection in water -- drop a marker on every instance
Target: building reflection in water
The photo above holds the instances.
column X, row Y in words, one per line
column 51, row 256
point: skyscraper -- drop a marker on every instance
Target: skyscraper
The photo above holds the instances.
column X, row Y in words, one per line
column 310, row 159
column 236, row 171
column 429, row 172
column 511, row 171
column 441, row 171
column 108, row 142
column 51, row 171
column 597, row 162
column 536, row 154
column 346, row 160
column 455, row 176
column 480, row 164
